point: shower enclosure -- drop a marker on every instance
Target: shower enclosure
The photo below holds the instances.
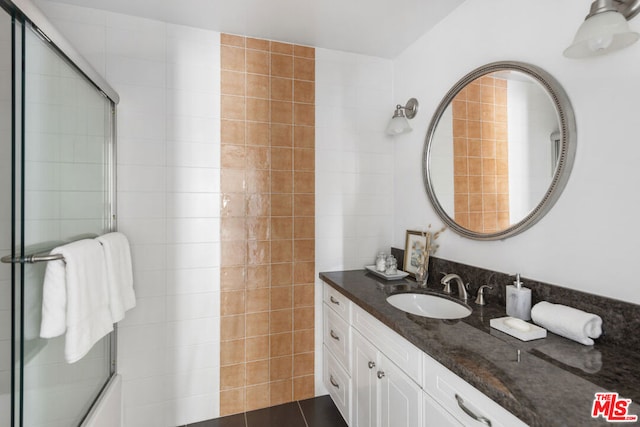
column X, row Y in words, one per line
column 57, row 118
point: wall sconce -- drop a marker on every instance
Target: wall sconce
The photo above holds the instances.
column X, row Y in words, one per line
column 605, row 29
column 399, row 123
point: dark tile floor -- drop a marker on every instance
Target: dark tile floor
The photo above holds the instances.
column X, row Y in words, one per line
column 317, row 412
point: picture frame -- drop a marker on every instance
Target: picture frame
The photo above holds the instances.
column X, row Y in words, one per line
column 415, row 245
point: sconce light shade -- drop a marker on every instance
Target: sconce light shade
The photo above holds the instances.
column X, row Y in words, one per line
column 603, row 31
column 399, row 123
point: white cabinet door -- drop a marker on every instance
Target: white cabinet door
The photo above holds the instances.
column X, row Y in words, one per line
column 400, row 397
column 364, row 381
column 383, row 395
column 434, row 415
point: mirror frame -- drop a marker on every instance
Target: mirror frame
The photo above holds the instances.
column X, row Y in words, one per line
column 567, row 123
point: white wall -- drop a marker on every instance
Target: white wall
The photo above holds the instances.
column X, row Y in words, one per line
column 354, row 167
column 354, row 159
column 168, row 195
column 583, row 242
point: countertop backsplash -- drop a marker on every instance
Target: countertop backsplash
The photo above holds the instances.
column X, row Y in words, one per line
column 620, row 320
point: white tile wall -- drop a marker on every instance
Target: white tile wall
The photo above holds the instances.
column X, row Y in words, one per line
column 354, row 167
column 168, row 190
column 354, row 158
column 168, row 159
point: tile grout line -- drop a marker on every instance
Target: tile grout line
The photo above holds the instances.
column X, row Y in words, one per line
column 246, row 421
column 302, row 412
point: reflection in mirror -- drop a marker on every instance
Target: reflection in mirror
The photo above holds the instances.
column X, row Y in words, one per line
column 494, row 149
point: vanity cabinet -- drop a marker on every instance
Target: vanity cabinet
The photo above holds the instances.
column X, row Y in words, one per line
column 379, row 379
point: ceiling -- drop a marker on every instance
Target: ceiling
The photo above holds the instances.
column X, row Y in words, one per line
column 381, row 28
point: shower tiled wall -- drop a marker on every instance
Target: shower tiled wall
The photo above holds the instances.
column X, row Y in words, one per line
column 168, row 77
column 481, row 171
column 267, row 225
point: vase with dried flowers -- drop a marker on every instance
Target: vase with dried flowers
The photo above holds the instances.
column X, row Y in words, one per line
column 422, row 272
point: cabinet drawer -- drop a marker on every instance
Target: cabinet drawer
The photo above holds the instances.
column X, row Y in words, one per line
column 434, row 415
column 338, row 302
column 463, row 400
column 338, row 382
column 397, row 349
column 336, row 336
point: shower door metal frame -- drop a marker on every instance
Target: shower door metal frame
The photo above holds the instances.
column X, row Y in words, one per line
column 25, row 14
column 30, row 13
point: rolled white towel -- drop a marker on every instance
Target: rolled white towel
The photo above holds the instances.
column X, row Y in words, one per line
column 567, row 322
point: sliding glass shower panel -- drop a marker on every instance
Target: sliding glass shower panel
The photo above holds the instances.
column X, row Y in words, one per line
column 5, row 217
column 66, row 186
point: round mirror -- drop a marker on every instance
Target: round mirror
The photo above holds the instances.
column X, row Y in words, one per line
column 499, row 150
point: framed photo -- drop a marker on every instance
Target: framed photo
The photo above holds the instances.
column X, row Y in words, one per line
column 413, row 249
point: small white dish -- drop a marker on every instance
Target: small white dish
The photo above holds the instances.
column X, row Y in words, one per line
column 520, row 329
column 399, row 275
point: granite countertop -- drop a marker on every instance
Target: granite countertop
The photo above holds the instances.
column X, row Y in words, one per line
column 547, row 382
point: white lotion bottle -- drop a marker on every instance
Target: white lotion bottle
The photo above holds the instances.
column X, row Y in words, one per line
column 518, row 300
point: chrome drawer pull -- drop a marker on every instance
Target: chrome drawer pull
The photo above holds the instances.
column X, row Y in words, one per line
column 469, row 412
column 334, row 301
column 334, row 336
column 372, row 365
column 333, row 382
column 380, row 374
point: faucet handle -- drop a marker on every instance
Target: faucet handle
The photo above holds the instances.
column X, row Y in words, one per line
column 480, row 298
column 447, row 285
column 465, row 295
column 447, row 288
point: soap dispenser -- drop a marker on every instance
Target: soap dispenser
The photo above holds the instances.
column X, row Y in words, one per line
column 518, row 300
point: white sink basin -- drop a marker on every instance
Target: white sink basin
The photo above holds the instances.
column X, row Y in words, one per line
column 429, row 305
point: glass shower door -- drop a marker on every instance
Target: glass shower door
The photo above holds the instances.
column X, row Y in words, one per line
column 5, row 217
column 66, row 186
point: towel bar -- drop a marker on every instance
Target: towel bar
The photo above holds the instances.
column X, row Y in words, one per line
column 43, row 254
column 31, row 259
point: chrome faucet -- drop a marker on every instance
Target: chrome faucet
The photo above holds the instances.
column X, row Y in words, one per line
column 462, row 290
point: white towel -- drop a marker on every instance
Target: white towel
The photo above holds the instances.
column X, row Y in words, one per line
column 568, row 322
column 75, row 298
column 117, row 255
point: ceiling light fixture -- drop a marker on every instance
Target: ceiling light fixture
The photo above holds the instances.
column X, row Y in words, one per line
column 605, row 29
column 399, row 123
